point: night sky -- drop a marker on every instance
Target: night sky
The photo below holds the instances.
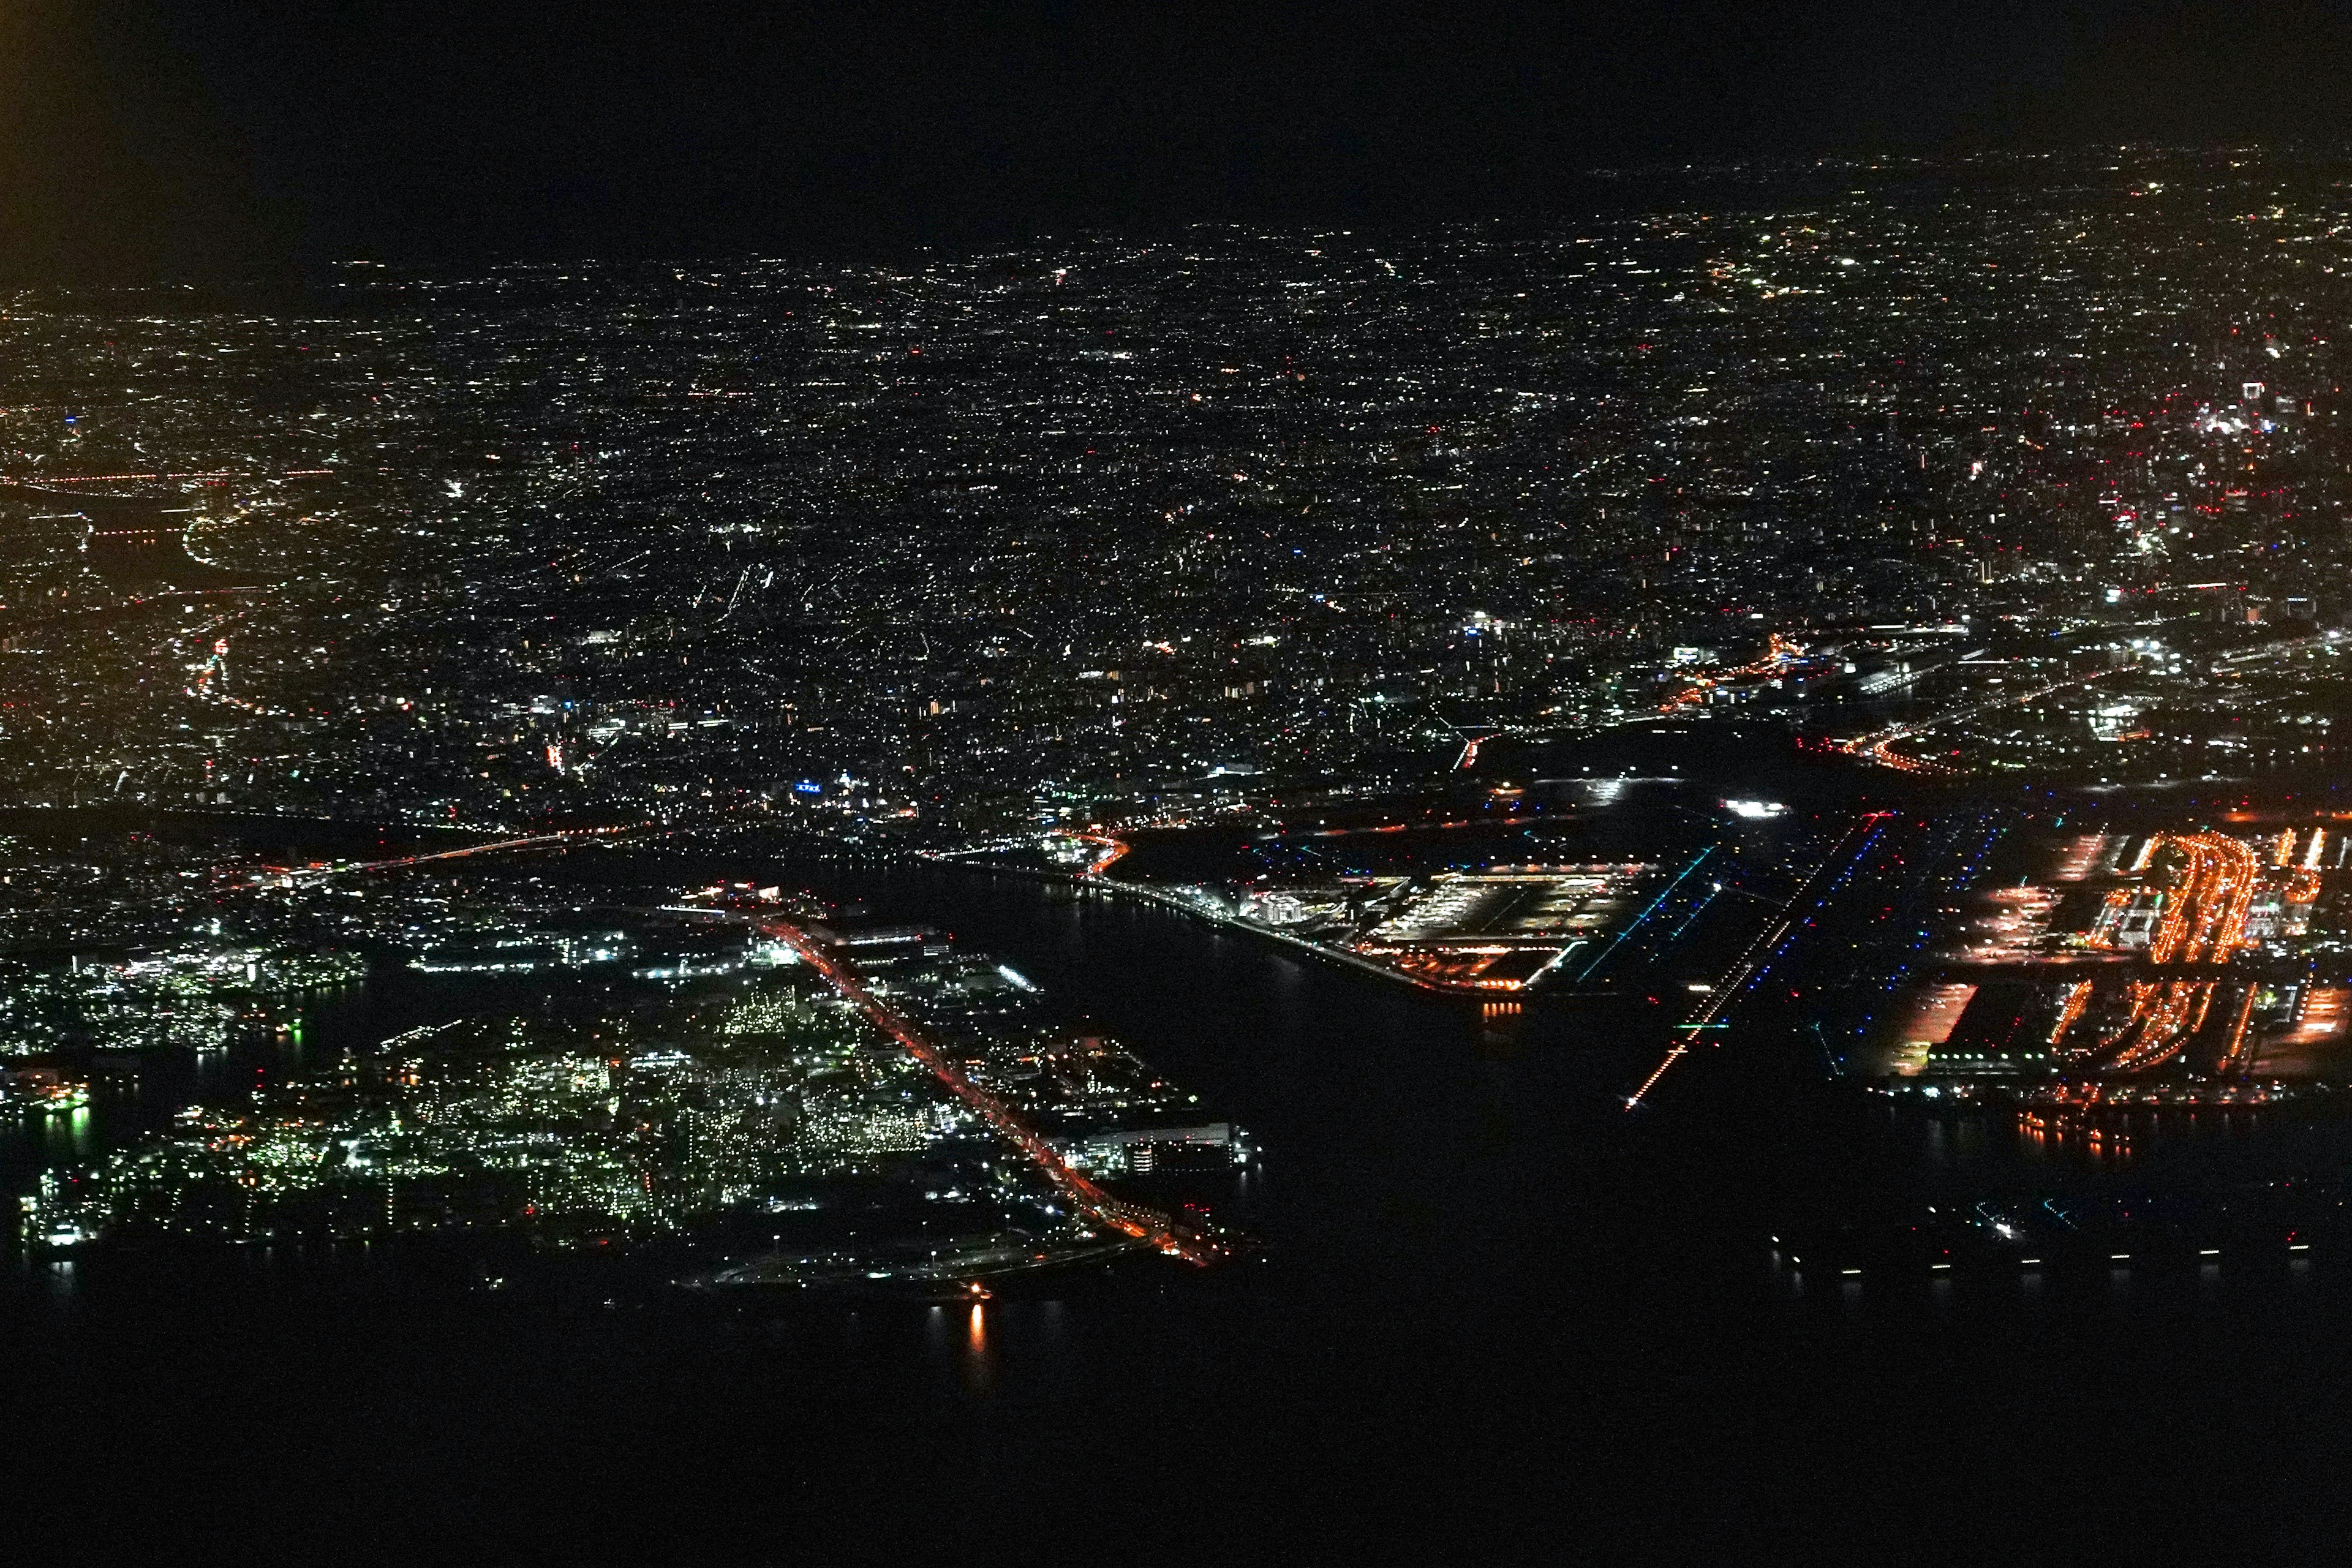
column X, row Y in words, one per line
column 145, row 138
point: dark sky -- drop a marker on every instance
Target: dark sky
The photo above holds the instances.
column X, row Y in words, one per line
column 190, row 137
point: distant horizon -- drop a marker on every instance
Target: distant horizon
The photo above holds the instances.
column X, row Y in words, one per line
column 203, row 138
column 1614, row 182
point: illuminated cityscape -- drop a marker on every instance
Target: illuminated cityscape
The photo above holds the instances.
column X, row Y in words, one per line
column 1242, row 805
column 1929, row 605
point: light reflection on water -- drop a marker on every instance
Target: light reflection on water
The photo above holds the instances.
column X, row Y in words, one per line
column 66, row 1140
column 979, row 1362
column 2145, row 1145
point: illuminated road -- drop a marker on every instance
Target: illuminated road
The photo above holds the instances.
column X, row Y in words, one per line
column 536, row 841
column 1878, row 746
column 2203, row 922
column 2078, row 1000
column 1146, row 1224
column 43, row 481
column 2231, row 661
column 1778, row 654
column 2238, row 1056
column 1113, row 851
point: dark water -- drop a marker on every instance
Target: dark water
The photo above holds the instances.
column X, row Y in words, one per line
column 1495, row 1314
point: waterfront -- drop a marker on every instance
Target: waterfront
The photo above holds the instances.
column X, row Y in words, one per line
column 1660, row 874
column 1478, row 1270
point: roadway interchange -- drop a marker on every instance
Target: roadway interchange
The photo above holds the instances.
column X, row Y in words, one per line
column 2203, row 923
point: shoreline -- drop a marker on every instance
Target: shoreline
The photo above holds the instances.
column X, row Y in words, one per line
column 1095, row 886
